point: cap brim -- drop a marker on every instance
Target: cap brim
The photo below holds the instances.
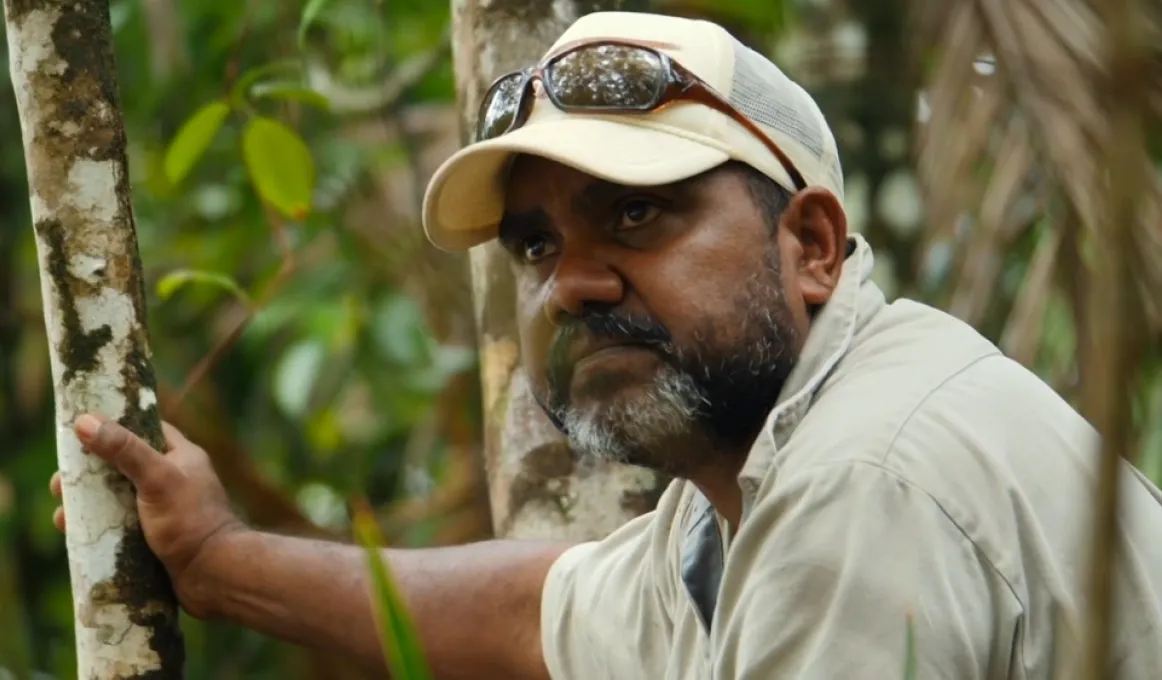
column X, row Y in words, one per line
column 465, row 198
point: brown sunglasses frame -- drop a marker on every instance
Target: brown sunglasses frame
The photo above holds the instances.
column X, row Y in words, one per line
column 680, row 85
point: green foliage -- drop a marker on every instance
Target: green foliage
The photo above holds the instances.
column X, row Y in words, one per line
column 277, row 158
column 311, row 12
column 193, row 139
column 330, row 390
column 278, row 70
column 171, row 282
column 401, row 646
column 290, row 91
column 280, row 165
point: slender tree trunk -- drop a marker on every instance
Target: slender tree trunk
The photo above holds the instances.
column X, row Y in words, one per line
column 537, row 488
column 63, row 73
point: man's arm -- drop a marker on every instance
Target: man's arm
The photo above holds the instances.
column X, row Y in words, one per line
column 477, row 607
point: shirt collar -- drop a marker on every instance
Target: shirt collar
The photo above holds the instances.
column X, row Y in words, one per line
column 855, row 300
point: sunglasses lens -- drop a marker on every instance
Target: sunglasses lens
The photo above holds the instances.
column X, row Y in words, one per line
column 607, row 76
column 499, row 107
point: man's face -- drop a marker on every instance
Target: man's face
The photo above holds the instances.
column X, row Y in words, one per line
column 655, row 323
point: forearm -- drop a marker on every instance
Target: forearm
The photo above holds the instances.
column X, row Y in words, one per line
column 477, row 607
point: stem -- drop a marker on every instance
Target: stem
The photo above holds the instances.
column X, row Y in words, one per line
column 1115, row 312
column 203, row 367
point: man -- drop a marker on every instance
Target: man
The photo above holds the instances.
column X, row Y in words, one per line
column 691, row 301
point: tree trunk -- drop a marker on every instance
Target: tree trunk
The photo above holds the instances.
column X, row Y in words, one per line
column 537, row 488
column 63, row 73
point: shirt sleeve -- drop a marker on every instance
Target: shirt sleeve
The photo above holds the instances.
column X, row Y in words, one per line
column 606, row 606
column 852, row 555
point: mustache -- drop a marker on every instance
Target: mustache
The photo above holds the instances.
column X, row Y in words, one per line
column 609, row 325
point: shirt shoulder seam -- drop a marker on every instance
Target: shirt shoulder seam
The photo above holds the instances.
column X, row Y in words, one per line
column 895, row 475
column 923, row 401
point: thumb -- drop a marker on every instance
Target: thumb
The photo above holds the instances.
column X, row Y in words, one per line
column 124, row 450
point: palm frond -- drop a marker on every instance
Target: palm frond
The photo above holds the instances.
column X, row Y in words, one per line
column 1031, row 132
column 1060, row 121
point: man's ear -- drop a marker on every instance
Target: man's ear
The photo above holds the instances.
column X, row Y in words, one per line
column 816, row 219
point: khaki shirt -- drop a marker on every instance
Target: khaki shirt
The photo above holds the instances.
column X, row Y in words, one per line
column 909, row 472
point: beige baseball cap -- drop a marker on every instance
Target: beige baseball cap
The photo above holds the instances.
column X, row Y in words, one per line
column 464, row 201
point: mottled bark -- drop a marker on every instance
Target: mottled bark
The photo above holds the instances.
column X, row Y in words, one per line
column 537, row 487
column 63, row 74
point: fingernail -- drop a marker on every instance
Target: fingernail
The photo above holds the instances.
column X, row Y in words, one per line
column 87, row 427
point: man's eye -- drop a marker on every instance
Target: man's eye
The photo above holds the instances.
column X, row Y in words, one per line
column 636, row 213
column 532, row 248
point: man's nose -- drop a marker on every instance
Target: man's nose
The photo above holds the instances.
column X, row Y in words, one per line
column 580, row 282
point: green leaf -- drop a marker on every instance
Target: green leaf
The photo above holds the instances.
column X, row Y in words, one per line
column 290, row 91
column 401, row 646
column 193, row 139
column 311, row 11
column 280, row 166
column 170, row 283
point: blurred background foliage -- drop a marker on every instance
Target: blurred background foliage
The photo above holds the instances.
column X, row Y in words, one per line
column 321, row 350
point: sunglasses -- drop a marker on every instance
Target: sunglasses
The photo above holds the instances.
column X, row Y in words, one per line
column 607, row 76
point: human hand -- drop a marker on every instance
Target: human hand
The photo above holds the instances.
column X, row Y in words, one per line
column 183, row 507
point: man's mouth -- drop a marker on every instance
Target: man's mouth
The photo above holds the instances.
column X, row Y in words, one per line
column 611, row 353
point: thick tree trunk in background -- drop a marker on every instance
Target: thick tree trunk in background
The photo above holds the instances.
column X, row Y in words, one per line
column 64, row 77
column 537, row 489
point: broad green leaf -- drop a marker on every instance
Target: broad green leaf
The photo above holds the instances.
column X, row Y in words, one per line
column 401, row 646
column 292, row 91
column 171, row 282
column 193, row 139
column 280, row 165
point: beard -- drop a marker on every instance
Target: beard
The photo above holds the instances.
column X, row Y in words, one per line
column 709, row 395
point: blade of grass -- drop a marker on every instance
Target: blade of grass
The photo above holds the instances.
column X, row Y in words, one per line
column 401, row 646
column 909, row 650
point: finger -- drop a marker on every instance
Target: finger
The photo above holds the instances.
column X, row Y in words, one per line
column 127, row 452
column 173, row 436
column 54, row 485
column 58, row 518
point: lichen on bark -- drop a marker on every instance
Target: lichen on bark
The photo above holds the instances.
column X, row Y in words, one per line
column 63, row 74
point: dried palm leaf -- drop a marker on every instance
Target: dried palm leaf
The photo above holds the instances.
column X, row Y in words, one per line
column 1022, row 336
column 1049, row 73
column 1084, row 82
column 999, row 224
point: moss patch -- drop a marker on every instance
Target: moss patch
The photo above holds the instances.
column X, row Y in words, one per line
column 137, row 373
column 142, row 585
column 78, row 349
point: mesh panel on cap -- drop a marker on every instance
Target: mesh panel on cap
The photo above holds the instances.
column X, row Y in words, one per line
column 766, row 95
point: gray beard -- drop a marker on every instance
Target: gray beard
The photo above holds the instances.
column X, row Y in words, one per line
column 704, row 402
column 637, row 430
